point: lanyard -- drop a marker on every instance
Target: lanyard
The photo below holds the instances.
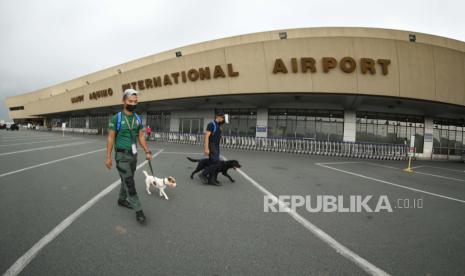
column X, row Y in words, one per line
column 131, row 126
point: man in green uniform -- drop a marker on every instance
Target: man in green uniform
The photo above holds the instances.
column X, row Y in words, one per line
column 124, row 129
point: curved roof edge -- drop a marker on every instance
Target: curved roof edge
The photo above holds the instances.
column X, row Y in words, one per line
column 295, row 33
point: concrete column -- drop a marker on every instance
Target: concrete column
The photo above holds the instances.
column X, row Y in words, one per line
column 262, row 123
column 350, row 125
column 87, row 121
column 428, row 139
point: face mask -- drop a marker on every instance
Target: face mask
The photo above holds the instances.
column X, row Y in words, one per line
column 131, row 107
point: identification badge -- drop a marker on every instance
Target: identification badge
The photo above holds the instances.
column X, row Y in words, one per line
column 134, row 149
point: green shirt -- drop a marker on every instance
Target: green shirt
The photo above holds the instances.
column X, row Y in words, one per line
column 123, row 137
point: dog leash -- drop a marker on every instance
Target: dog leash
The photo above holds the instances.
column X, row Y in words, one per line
column 150, row 165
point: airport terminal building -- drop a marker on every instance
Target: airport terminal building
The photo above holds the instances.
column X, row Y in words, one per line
column 326, row 84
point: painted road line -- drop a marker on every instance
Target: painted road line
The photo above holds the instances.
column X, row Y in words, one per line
column 392, row 184
column 440, row 176
column 37, row 142
column 28, row 137
column 50, row 162
column 341, row 249
column 24, row 260
column 344, row 162
column 33, row 139
column 417, row 172
column 44, row 148
column 442, row 168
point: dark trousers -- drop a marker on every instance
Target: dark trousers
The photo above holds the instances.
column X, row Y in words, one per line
column 213, row 159
column 126, row 165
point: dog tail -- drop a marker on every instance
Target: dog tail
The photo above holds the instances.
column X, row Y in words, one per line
column 146, row 174
column 192, row 159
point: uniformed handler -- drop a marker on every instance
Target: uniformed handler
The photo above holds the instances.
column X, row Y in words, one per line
column 123, row 133
column 212, row 139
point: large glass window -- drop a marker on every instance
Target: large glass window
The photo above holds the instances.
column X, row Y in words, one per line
column 389, row 128
column 448, row 137
column 191, row 125
column 77, row 121
column 158, row 121
column 100, row 122
column 242, row 122
column 325, row 125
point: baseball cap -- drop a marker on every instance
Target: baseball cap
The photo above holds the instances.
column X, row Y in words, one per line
column 220, row 113
column 129, row 92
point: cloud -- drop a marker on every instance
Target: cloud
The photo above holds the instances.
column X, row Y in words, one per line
column 50, row 41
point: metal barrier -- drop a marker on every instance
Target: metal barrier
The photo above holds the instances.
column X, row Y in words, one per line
column 69, row 130
column 294, row 145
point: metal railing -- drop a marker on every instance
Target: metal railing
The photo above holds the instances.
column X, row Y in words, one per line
column 69, row 130
column 294, row 145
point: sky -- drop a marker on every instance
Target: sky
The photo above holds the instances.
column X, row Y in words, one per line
column 46, row 42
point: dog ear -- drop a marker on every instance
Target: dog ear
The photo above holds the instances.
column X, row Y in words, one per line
column 171, row 179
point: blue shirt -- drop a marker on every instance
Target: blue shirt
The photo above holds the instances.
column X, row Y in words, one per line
column 215, row 135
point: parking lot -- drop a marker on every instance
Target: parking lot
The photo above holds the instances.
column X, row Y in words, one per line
column 59, row 214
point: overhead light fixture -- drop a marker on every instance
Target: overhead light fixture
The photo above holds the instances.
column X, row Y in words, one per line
column 412, row 37
column 283, row 35
column 178, row 54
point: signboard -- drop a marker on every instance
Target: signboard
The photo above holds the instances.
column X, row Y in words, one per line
column 63, row 125
column 261, row 129
column 428, row 137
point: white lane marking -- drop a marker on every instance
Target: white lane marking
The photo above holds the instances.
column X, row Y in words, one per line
column 22, row 137
column 50, row 162
column 392, row 184
column 417, row 172
column 341, row 249
column 379, row 165
column 416, row 167
column 24, row 260
column 37, row 142
column 44, row 148
column 344, row 162
column 442, row 168
column 440, row 176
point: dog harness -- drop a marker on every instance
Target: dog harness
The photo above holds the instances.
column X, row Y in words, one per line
column 157, row 182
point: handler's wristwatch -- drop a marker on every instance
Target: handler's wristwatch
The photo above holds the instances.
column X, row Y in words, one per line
column 148, row 152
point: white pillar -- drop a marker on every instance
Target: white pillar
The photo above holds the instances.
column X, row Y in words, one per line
column 428, row 139
column 350, row 125
column 262, row 123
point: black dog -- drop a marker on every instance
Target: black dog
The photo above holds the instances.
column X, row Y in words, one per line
column 220, row 167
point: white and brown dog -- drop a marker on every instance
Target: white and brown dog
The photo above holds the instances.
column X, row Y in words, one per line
column 159, row 183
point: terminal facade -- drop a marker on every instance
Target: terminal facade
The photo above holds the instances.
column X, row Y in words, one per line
column 328, row 84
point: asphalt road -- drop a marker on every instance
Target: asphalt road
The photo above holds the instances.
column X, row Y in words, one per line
column 209, row 230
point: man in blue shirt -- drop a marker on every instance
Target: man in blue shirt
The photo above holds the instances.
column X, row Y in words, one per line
column 212, row 139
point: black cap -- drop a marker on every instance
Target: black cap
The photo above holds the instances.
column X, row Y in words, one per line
column 220, row 113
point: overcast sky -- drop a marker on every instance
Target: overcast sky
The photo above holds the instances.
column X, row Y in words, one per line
column 50, row 41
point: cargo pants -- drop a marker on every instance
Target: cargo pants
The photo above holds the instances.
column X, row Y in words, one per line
column 126, row 164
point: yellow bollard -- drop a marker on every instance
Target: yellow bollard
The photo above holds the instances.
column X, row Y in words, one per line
column 409, row 168
column 410, row 154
